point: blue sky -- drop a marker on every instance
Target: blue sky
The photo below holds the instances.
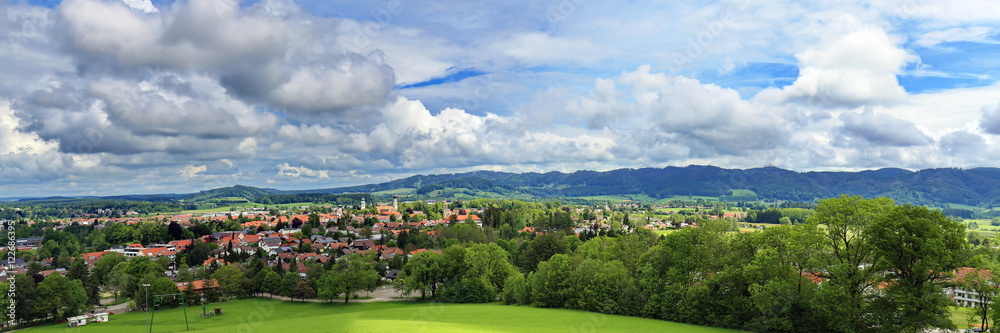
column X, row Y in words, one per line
column 140, row 96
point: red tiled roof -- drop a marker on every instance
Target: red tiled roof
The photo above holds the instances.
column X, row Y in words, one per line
column 962, row 272
column 210, row 260
column 198, row 285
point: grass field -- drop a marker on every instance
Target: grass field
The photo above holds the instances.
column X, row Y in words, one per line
column 960, row 316
column 399, row 191
column 266, row 315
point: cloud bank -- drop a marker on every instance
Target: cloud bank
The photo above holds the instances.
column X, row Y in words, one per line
column 113, row 96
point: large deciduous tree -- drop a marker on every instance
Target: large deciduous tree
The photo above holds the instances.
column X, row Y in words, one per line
column 231, row 280
column 58, row 295
column 916, row 249
column 885, row 264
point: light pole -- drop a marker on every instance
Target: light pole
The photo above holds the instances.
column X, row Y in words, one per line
column 147, row 305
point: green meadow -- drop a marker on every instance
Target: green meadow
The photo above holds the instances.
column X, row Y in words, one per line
column 267, row 315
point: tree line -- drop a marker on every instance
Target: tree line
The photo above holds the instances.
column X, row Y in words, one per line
column 855, row 265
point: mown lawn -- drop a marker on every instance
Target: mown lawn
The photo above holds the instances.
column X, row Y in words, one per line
column 266, row 315
column 960, row 317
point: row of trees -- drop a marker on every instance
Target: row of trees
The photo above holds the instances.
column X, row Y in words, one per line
column 856, row 265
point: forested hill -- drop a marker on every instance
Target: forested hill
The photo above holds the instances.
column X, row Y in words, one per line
column 931, row 187
column 980, row 186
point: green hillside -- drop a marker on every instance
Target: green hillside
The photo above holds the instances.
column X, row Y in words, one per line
column 230, row 194
column 267, row 315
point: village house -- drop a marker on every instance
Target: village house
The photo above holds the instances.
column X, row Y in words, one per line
column 199, row 286
column 963, row 297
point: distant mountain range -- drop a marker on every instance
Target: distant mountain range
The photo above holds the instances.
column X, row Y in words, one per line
column 932, row 187
column 973, row 187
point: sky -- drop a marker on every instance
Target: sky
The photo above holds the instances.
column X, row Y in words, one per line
column 102, row 97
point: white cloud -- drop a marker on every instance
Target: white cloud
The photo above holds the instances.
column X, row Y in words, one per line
column 145, row 6
column 191, row 171
column 227, row 92
column 882, row 129
column 971, row 34
column 257, row 52
column 13, row 140
column 286, row 170
column 858, row 68
column 537, row 48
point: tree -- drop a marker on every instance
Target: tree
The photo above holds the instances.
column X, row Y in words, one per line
column 541, row 249
column 231, row 280
column 104, row 265
column 25, row 298
column 489, row 261
column 602, row 286
column 119, row 281
column 548, row 284
column 5, row 299
column 271, row 282
column 848, row 256
column 357, row 275
column 175, row 230
column 78, row 271
column 303, row 291
column 985, row 284
column 516, row 290
column 884, row 263
column 288, row 283
column 163, row 286
column 330, row 285
column 422, row 273
column 58, row 295
column 916, row 247
column 674, row 273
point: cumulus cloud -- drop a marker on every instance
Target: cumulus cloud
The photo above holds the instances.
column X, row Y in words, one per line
column 108, row 94
column 707, row 117
column 13, row 140
column 254, row 52
column 165, row 113
column 858, row 68
column 882, row 129
column 414, row 138
column 26, row 157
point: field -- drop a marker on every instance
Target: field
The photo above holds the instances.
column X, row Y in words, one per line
column 267, row 315
column 960, row 317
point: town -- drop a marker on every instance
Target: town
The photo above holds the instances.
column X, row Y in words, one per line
column 459, row 251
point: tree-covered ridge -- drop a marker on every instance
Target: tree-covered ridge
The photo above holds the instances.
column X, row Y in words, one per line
column 975, row 187
column 341, row 199
column 978, row 187
column 72, row 207
column 238, row 191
